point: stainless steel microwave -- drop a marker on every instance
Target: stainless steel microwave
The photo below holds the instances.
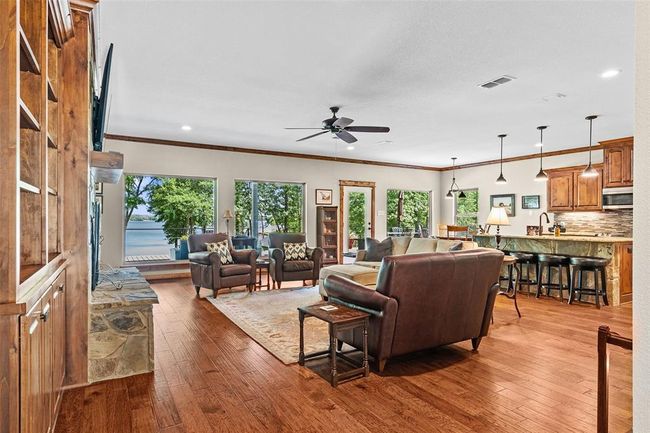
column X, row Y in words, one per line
column 617, row 198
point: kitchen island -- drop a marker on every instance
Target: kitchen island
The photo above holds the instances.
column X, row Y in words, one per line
column 617, row 249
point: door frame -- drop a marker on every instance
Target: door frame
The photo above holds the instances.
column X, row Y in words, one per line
column 360, row 183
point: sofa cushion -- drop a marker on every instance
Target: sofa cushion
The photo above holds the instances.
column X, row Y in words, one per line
column 445, row 245
column 361, row 274
column 421, row 245
column 238, row 269
column 367, row 264
column 375, row 250
column 297, row 265
column 222, row 249
column 295, row 251
column 400, row 245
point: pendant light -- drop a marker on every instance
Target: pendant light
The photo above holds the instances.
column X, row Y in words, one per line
column 454, row 186
column 501, row 179
column 541, row 176
column 590, row 171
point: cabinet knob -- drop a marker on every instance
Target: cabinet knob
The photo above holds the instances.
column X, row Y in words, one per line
column 45, row 313
column 61, row 287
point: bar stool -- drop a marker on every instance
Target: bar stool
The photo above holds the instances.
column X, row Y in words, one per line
column 589, row 264
column 552, row 261
column 528, row 259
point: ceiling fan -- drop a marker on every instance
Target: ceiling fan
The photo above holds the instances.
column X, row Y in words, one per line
column 340, row 126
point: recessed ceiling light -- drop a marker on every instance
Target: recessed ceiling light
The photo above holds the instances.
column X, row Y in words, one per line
column 610, row 73
column 186, row 128
column 350, row 148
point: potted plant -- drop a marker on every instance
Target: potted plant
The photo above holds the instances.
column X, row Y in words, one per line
column 183, row 250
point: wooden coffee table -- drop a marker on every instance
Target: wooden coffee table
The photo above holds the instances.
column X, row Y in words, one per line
column 340, row 319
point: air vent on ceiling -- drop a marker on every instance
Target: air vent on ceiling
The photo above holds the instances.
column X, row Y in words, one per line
column 498, row 81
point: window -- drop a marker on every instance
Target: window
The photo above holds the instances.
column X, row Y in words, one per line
column 265, row 207
column 160, row 212
column 407, row 212
column 466, row 211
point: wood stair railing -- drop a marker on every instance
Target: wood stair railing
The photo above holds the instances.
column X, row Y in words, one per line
column 605, row 337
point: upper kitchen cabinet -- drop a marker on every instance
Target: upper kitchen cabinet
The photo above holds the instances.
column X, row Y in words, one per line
column 567, row 190
column 618, row 162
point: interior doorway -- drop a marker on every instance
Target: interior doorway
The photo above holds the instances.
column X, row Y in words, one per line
column 356, row 217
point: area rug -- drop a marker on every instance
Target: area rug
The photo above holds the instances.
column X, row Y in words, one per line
column 270, row 317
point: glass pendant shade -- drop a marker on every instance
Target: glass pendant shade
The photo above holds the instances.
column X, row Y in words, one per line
column 454, row 186
column 590, row 171
column 541, row 175
column 501, row 179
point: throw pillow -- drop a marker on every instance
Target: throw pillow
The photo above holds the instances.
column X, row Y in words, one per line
column 295, row 251
column 223, row 250
column 448, row 245
column 421, row 245
column 375, row 250
column 400, row 245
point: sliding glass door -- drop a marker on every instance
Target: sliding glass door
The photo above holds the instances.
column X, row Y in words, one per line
column 265, row 207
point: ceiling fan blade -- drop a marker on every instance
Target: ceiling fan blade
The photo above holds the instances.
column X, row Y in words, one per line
column 345, row 136
column 368, row 128
column 303, row 128
column 342, row 122
column 313, row 135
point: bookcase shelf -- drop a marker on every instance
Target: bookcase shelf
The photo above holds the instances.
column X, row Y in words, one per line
column 51, row 93
column 327, row 232
column 27, row 119
column 28, row 61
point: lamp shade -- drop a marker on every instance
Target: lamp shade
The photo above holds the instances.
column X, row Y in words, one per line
column 228, row 214
column 498, row 217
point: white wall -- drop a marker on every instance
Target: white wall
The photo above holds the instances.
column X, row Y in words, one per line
column 641, row 320
column 143, row 158
column 521, row 181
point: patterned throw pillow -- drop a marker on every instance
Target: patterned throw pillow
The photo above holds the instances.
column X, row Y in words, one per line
column 297, row 251
column 223, row 249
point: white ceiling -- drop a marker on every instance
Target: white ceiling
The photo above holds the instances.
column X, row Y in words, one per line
column 239, row 72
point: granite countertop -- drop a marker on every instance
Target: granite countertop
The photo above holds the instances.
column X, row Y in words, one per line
column 592, row 239
column 135, row 290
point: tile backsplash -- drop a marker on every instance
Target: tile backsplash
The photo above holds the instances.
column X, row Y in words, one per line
column 612, row 222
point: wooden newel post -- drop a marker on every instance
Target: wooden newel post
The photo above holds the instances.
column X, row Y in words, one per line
column 603, row 385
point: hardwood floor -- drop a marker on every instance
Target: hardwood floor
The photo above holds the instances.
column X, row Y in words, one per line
column 534, row 374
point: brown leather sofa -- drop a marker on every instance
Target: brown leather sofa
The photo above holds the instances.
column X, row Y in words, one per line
column 293, row 270
column 207, row 270
column 423, row 301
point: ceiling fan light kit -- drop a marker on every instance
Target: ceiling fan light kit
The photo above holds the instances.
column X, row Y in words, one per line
column 340, row 127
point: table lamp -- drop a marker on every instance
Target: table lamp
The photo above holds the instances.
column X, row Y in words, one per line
column 227, row 215
column 498, row 217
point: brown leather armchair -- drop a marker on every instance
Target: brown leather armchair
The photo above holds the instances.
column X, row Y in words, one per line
column 293, row 270
column 207, row 270
column 423, row 301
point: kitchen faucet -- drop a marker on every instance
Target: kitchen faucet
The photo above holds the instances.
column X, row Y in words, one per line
column 541, row 228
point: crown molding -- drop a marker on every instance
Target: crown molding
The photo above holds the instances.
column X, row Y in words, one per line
column 223, row 148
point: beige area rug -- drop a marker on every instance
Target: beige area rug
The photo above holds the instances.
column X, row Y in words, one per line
column 270, row 317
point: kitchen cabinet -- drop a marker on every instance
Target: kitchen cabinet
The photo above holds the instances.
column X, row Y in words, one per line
column 618, row 162
column 568, row 190
column 42, row 359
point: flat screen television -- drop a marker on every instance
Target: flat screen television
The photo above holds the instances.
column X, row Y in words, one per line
column 100, row 104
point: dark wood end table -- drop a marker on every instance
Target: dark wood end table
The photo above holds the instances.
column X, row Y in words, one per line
column 262, row 264
column 341, row 319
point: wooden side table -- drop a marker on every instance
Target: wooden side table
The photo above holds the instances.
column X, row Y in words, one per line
column 340, row 319
column 262, row 264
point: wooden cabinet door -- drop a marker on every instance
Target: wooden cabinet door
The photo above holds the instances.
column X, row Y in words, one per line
column 625, row 272
column 58, row 340
column 588, row 191
column 618, row 166
column 46, row 360
column 560, row 191
column 31, row 378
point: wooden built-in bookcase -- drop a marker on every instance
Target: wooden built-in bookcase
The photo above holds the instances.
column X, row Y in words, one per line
column 45, row 100
column 327, row 235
